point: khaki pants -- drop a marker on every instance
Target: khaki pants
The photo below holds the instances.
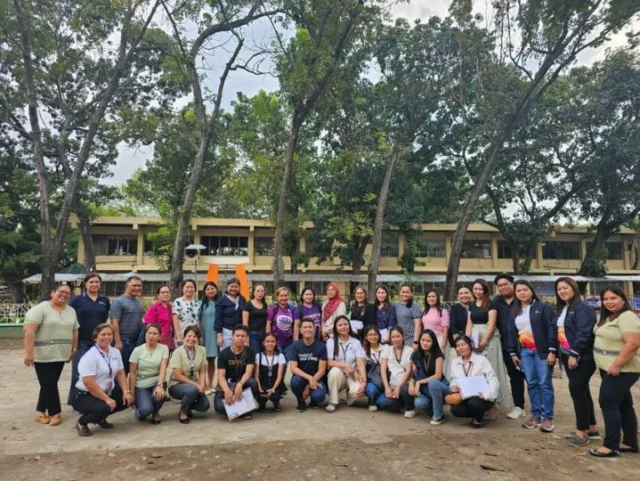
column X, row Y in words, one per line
column 338, row 381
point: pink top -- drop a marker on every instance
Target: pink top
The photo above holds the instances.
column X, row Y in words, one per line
column 437, row 323
column 161, row 315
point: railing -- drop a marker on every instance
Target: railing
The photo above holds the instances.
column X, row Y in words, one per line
column 12, row 314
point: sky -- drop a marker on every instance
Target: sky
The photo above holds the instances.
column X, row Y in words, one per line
column 261, row 31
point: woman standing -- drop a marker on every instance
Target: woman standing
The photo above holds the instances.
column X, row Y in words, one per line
column 362, row 310
column 373, row 356
column 395, row 367
column 332, row 308
column 408, row 315
column 102, row 388
column 229, row 313
column 283, row 321
column 254, row 316
column 185, row 309
column 435, row 317
column 428, row 383
column 482, row 324
column 345, row 359
column 458, row 318
column 92, row 309
column 269, row 373
column 50, row 340
column 533, row 344
column 147, row 374
column 188, row 379
column 469, row 364
column 207, row 318
column 160, row 313
column 576, row 320
column 616, row 353
column 310, row 309
column 385, row 312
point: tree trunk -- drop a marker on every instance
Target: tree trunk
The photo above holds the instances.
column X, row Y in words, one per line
column 84, row 226
column 287, row 178
column 16, row 289
column 376, row 244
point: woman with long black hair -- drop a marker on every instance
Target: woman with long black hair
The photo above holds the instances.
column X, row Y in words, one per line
column 385, row 312
column 373, row 356
column 395, row 368
column 428, row 383
column 206, row 320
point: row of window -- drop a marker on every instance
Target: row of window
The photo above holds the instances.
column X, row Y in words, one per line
column 263, row 246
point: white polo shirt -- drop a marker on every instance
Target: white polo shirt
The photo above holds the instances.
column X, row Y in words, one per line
column 348, row 352
column 104, row 366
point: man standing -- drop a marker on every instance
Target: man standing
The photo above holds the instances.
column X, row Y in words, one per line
column 503, row 304
column 308, row 366
column 126, row 315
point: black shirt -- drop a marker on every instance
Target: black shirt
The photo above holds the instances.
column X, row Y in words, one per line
column 504, row 312
column 458, row 316
column 257, row 317
column 478, row 316
column 308, row 357
column 235, row 365
column 366, row 314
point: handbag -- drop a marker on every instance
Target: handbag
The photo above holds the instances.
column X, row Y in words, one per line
column 374, row 376
column 453, row 399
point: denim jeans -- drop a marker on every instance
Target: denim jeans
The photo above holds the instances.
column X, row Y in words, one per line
column 127, row 349
column 539, row 380
column 298, row 384
column 190, row 397
column 146, row 404
column 431, row 398
column 372, row 391
column 83, row 347
column 254, row 340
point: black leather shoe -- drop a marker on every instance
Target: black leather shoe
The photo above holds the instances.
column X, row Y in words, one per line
column 598, row 454
column 104, row 424
column 629, row 450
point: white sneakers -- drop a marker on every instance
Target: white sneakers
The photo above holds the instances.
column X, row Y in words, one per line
column 409, row 414
column 330, row 408
column 516, row 413
column 373, row 408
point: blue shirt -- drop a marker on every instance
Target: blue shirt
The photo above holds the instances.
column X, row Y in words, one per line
column 308, row 357
column 90, row 313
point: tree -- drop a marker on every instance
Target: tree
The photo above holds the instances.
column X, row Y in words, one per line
column 551, row 34
column 55, row 55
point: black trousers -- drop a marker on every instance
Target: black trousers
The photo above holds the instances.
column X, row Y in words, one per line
column 579, row 389
column 218, row 398
column 516, row 379
column 616, row 403
column 275, row 397
column 95, row 410
column 48, row 374
column 473, row 407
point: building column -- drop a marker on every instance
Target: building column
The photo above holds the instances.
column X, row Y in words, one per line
column 494, row 252
column 447, row 248
column 539, row 259
column 251, row 248
column 140, row 253
column 303, row 248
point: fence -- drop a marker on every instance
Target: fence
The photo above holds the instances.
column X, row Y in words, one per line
column 12, row 314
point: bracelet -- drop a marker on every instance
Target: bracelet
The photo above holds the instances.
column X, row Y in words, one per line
column 127, row 391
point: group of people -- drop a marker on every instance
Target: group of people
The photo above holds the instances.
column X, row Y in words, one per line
column 393, row 356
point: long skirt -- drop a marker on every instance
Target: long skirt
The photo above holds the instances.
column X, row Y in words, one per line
column 493, row 353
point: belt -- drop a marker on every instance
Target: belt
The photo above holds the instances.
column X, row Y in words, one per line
column 52, row 342
column 604, row 352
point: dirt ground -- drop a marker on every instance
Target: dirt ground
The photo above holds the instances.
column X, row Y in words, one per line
column 350, row 444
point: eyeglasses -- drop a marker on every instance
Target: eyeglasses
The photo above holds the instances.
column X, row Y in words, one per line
column 63, row 293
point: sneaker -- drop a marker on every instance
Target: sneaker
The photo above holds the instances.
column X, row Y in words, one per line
column 373, row 408
column 516, row 413
column 531, row 423
column 83, row 430
column 313, row 405
column 301, row 407
column 330, row 408
column 410, row 414
column 436, row 421
column 578, row 442
column 546, row 425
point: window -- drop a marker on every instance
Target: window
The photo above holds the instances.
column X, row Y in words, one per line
column 226, row 245
column 476, row 249
column 561, row 250
column 149, row 288
column 105, row 245
column 263, row 246
column 614, row 250
column 438, row 286
column 389, row 244
column 112, row 289
column 596, row 287
column 431, row 248
column 319, row 287
column 504, row 250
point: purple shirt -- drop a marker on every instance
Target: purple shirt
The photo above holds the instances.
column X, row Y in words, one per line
column 315, row 314
column 282, row 323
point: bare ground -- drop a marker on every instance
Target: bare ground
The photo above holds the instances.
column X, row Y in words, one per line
column 349, row 444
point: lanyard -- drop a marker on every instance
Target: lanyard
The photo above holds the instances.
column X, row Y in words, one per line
column 344, row 348
column 108, row 363
column 467, row 371
column 399, row 359
column 270, row 364
column 192, row 360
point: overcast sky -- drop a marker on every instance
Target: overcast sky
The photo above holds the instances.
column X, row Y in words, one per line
column 260, row 32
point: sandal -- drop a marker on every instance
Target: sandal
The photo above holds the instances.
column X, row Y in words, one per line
column 42, row 418
column 156, row 419
column 183, row 420
column 599, row 454
column 477, row 424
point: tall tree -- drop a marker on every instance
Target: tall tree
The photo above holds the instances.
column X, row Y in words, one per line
column 540, row 38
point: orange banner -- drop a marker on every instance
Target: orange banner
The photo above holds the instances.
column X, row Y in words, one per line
column 241, row 274
column 212, row 274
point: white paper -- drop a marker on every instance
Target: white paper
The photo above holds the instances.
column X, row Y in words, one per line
column 384, row 334
column 475, row 337
column 238, row 408
column 472, row 386
column 356, row 326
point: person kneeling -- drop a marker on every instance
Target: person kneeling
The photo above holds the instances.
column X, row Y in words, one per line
column 396, row 372
column 308, row 365
column 98, row 395
column 188, row 380
column 469, row 364
column 235, row 371
column 429, row 386
column 269, row 373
